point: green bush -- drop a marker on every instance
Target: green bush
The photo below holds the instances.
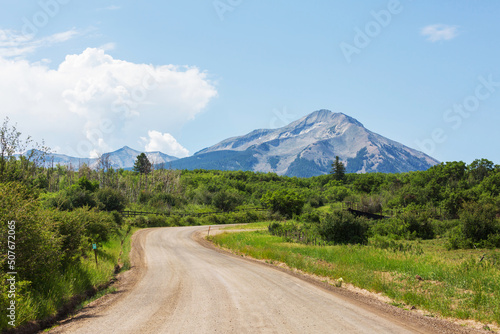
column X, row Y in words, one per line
column 285, row 201
column 157, row 221
column 393, row 227
column 37, row 243
column 227, row 200
column 111, row 199
column 117, row 217
column 85, row 184
column 189, row 221
column 315, row 201
column 478, row 227
column 478, row 221
column 165, row 199
column 99, row 226
column 140, row 221
column 144, row 197
column 418, row 224
column 344, row 228
column 456, row 239
column 72, row 198
column 72, row 233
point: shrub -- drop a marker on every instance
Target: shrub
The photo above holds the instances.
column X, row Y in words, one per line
column 72, row 233
column 393, row 227
column 189, row 221
column 167, row 199
column 140, row 221
column 418, row 224
column 337, row 193
column 344, row 228
column 99, row 226
column 85, row 184
column 111, row 200
column 37, row 242
column 478, row 221
column 226, row 200
column 285, row 201
column 71, row 198
column 157, row 221
column 118, row 218
column 144, row 197
column 456, row 239
column 315, row 201
column 478, row 227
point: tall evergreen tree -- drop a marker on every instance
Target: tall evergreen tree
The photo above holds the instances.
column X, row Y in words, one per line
column 338, row 169
column 142, row 164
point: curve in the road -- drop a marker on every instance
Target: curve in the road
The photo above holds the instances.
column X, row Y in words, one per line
column 183, row 287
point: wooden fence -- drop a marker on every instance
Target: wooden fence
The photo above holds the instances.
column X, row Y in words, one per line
column 127, row 213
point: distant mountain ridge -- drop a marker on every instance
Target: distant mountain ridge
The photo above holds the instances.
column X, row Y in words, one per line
column 122, row 158
column 304, row 148
column 307, row 147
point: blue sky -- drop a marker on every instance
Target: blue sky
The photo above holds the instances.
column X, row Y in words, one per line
column 177, row 76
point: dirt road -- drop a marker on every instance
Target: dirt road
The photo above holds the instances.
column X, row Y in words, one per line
column 179, row 286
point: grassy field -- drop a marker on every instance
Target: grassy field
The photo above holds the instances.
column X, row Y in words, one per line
column 251, row 226
column 455, row 284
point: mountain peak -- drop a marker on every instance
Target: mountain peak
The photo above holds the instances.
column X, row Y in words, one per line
column 126, row 148
column 307, row 146
column 325, row 115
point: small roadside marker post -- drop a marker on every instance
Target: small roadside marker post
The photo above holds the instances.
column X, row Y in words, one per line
column 209, row 231
column 94, row 247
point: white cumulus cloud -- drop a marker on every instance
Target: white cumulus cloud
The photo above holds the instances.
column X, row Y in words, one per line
column 439, row 32
column 164, row 142
column 92, row 103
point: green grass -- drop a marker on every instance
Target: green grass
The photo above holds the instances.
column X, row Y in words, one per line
column 76, row 279
column 126, row 247
column 455, row 284
column 251, row 226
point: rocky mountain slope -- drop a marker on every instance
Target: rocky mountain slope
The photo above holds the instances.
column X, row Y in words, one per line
column 307, row 147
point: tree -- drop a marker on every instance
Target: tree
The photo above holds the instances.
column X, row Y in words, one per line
column 338, row 169
column 285, row 201
column 142, row 164
column 479, row 169
column 9, row 143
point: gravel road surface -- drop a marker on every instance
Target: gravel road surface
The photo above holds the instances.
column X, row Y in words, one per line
column 179, row 285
